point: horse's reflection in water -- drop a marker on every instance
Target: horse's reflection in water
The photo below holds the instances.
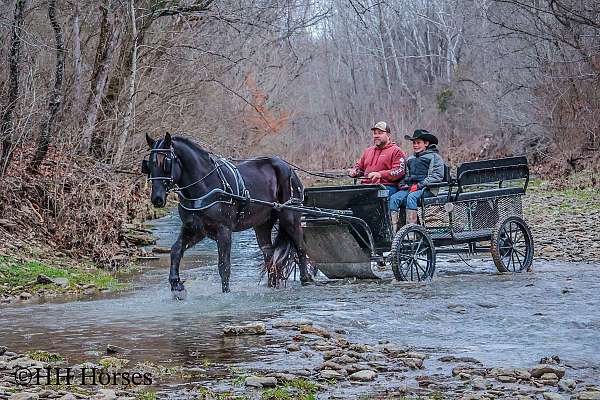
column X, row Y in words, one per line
column 178, row 164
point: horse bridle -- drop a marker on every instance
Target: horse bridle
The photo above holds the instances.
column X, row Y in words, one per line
column 167, row 166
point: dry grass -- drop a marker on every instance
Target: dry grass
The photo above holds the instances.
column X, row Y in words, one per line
column 73, row 205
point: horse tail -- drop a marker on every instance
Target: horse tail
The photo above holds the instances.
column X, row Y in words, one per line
column 284, row 259
column 285, row 254
column 296, row 186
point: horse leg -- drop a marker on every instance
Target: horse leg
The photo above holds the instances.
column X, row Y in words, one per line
column 223, row 238
column 186, row 239
column 263, row 237
column 290, row 221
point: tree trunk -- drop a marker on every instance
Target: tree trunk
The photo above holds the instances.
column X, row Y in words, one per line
column 78, row 101
column 109, row 36
column 56, row 95
column 14, row 59
column 131, row 101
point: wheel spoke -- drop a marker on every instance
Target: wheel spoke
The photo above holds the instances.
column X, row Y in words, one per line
column 519, row 260
column 423, row 251
column 418, row 248
column 425, row 274
column 508, row 265
column 512, row 257
column 417, row 267
column 522, row 254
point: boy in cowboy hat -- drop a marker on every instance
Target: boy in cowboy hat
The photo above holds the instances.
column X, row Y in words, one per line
column 424, row 167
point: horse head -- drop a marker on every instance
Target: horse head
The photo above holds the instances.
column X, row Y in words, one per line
column 162, row 167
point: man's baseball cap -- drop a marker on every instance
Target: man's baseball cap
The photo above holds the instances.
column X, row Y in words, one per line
column 382, row 126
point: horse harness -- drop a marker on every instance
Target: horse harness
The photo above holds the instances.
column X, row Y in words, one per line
column 225, row 194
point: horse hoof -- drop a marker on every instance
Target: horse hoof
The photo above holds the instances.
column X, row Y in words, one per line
column 179, row 292
column 180, row 295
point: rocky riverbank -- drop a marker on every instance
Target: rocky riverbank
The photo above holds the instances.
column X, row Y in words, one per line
column 564, row 222
column 319, row 364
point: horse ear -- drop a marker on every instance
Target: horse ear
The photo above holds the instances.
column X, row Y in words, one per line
column 150, row 141
column 167, row 141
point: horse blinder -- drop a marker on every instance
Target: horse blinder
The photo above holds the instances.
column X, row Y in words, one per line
column 145, row 167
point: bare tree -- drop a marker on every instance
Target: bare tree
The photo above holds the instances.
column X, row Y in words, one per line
column 14, row 61
column 55, row 99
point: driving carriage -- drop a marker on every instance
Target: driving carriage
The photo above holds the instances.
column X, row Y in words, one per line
column 480, row 210
column 346, row 229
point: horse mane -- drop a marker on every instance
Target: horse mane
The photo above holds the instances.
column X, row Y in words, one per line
column 188, row 142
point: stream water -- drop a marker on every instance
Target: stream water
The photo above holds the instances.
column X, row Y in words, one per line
column 503, row 320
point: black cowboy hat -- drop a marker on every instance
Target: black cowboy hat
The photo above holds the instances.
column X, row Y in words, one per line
column 423, row 135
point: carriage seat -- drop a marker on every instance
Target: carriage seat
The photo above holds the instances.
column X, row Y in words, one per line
column 472, row 175
column 442, row 198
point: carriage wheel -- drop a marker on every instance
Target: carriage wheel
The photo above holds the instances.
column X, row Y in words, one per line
column 512, row 245
column 413, row 254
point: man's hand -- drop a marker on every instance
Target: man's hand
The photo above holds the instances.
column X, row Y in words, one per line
column 374, row 176
column 353, row 172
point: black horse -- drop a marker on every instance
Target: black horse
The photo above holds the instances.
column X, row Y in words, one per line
column 178, row 164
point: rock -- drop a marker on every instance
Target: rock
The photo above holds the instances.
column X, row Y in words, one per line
column 138, row 238
column 413, row 363
column 542, row 369
column 47, row 393
column 285, row 323
column 552, row 396
column 330, row 374
column 587, row 395
column 105, row 394
column 68, row 396
column 283, row 377
column 472, row 396
column 332, row 354
column 25, row 296
column 522, row 373
column 90, row 291
column 293, row 347
column 496, row 372
column 308, row 329
column 331, row 365
column 394, row 350
column 447, row 359
column 479, row 383
column 567, row 385
column 344, row 359
column 62, row 282
column 261, row 381
column 360, row 348
column 468, row 360
column 43, row 279
column 549, row 376
column 506, row 378
column 550, row 360
column 257, row 328
column 161, row 250
column 352, row 368
column 363, row 376
column 112, row 349
column 3, row 350
column 24, row 396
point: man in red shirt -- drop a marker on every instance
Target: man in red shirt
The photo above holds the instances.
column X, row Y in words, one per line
column 382, row 163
